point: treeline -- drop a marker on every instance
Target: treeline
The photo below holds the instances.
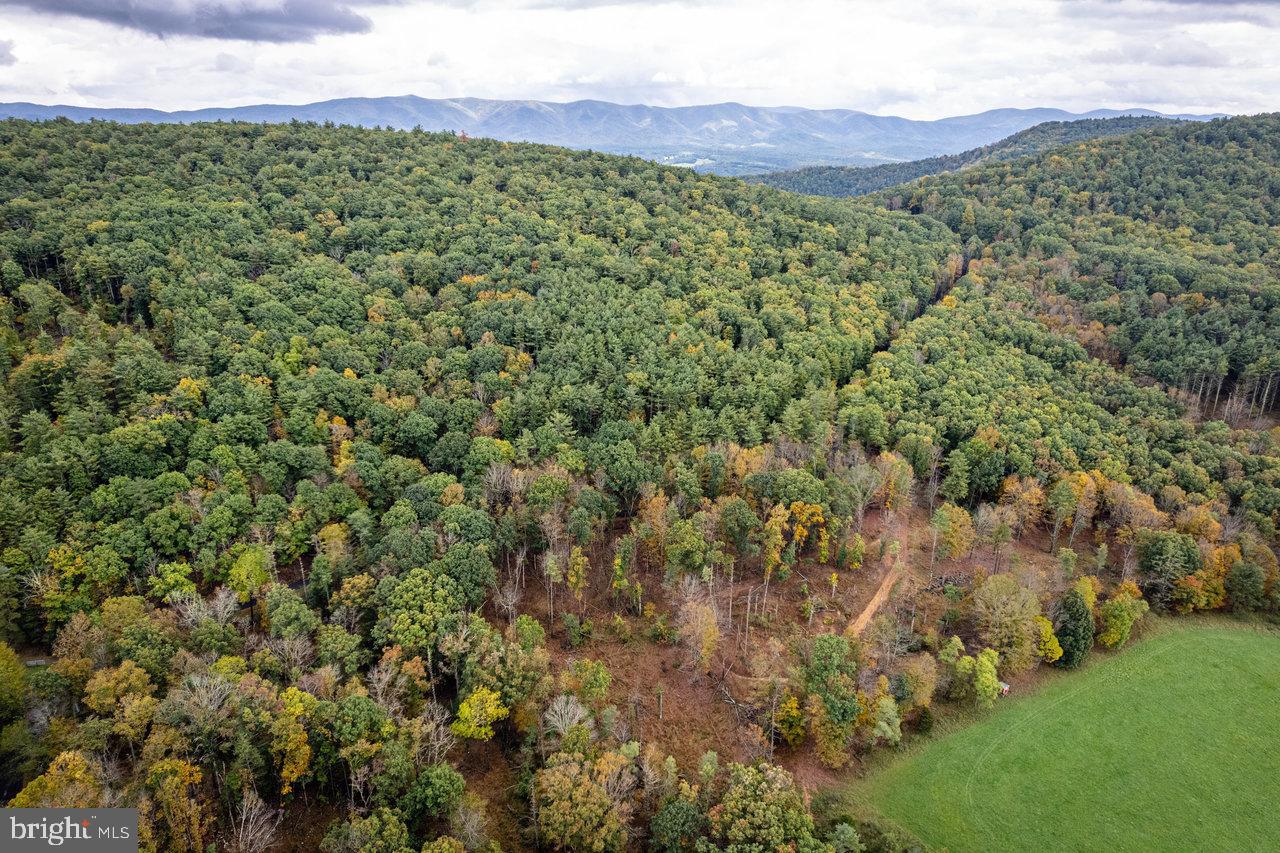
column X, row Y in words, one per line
column 863, row 180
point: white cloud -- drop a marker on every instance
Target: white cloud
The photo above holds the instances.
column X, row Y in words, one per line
column 920, row 58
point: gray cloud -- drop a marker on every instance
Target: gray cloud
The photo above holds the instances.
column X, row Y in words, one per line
column 6, row 52
column 1146, row 12
column 1169, row 53
column 244, row 20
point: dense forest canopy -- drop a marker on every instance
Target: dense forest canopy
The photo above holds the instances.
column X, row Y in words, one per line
column 1162, row 247
column 334, row 462
column 862, row 180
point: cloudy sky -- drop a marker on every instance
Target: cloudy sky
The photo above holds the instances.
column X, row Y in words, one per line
column 915, row 58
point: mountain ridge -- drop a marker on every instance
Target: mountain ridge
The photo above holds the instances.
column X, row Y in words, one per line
column 727, row 138
column 845, row 181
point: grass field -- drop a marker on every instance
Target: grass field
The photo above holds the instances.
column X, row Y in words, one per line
column 1173, row 744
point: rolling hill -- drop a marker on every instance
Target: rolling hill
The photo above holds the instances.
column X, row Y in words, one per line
column 861, row 180
column 408, row 488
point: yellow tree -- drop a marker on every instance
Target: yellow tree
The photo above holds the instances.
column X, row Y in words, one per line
column 1025, row 499
column 806, row 519
column 1048, row 649
column 174, row 785
column 576, row 574
column 1131, row 511
column 108, row 687
column 652, row 515
column 582, row 803
column 289, row 742
column 895, row 482
column 700, row 631
column 1087, row 488
column 1199, row 521
column 70, row 782
column 477, row 714
column 954, row 529
column 772, row 538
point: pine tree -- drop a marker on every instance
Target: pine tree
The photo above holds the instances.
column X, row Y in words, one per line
column 1075, row 629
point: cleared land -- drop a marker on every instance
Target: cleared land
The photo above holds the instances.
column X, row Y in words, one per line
column 1173, row 744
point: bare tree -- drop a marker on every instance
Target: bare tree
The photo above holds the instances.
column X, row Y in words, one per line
column 864, row 481
column 223, row 605
column 933, row 481
column 253, row 824
column 507, row 599
column 564, row 712
column 189, row 607
column 192, row 609
column 322, row 683
column 498, row 482
column 433, row 738
column 384, row 687
column 522, row 556
column 296, row 652
column 469, row 823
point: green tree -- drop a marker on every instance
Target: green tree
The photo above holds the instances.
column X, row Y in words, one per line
column 381, row 831
column 1074, row 629
column 678, row 824
column 436, row 791
column 250, row 572
column 1164, row 557
column 955, row 486
column 1118, row 614
column 13, row 684
column 288, row 615
column 986, row 682
column 1245, row 585
column 830, row 674
column 761, row 809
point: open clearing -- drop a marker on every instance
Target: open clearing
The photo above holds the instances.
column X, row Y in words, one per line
column 1172, row 744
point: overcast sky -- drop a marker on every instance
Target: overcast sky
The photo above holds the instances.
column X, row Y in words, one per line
column 907, row 57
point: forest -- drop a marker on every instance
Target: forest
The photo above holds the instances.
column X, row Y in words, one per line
column 863, row 180
column 388, row 490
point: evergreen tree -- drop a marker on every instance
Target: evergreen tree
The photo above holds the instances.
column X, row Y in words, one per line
column 1074, row 629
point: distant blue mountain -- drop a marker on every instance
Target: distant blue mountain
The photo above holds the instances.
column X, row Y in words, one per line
column 726, row 138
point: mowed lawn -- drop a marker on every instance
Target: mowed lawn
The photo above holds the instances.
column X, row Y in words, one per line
column 1172, row 744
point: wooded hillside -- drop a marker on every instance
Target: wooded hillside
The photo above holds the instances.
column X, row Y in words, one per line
column 445, row 493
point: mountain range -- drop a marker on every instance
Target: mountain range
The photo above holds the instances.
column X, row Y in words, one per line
column 726, row 138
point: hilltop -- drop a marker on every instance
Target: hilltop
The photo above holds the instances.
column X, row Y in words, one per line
column 862, row 180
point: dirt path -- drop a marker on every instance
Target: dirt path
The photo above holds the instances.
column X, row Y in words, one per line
column 882, row 594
